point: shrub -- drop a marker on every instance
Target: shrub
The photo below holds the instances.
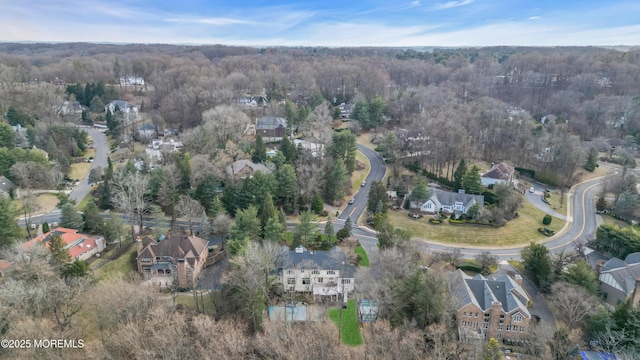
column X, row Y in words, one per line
column 323, row 213
column 469, row 266
column 342, row 234
column 435, row 221
column 547, row 219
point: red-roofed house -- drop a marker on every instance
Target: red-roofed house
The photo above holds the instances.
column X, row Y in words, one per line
column 80, row 246
column 175, row 259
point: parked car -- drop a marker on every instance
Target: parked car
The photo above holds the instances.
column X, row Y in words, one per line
column 351, row 201
column 531, row 189
column 363, row 183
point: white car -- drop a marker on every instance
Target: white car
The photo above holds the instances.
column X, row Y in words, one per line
column 363, row 183
column 351, row 201
column 531, row 189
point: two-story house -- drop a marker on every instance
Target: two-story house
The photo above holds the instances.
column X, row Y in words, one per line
column 500, row 173
column 489, row 307
column 172, row 260
column 322, row 273
column 271, row 128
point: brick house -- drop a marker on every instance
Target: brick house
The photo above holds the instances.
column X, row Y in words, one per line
column 322, row 273
column 489, row 307
column 175, row 259
column 80, row 246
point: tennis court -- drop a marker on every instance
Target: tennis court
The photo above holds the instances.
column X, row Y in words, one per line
column 295, row 313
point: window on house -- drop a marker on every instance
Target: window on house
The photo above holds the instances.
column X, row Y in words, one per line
column 501, row 317
column 500, row 327
column 508, row 327
column 319, row 279
column 499, row 336
column 301, row 271
column 346, row 281
column 291, row 281
column 618, row 302
column 605, row 295
column 476, row 314
column 306, row 281
column 464, row 314
column 464, row 323
column 315, row 272
column 517, row 318
column 289, row 272
column 331, row 272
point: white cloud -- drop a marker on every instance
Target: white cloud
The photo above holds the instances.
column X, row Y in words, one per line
column 209, row 21
column 534, row 18
column 452, row 4
column 416, row 3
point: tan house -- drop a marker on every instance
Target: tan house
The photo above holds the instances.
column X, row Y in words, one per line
column 325, row 274
column 489, row 307
column 172, row 260
column 243, row 169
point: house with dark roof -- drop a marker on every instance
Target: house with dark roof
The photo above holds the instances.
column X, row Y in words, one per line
column 448, row 202
column 271, row 128
column 494, row 307
column 619, row 280
column 147, row 131
column 322, row 273
column 253, row 100
column 346, row 110
column 500, row 173
column 174, row 260
column 80, row 246
column 127, row 108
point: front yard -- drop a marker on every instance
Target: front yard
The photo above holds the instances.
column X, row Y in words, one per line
column 121, row 266
column 519, row 231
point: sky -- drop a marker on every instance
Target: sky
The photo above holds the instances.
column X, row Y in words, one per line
column 410, row 23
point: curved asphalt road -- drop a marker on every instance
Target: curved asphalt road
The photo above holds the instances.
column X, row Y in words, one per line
column 581, row 221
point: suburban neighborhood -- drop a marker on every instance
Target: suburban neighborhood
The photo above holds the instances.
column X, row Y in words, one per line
column 342, row 213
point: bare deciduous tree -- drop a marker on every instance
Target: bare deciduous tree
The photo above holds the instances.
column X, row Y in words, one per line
column 573, row 302
column 189, row 208
column 129, row 196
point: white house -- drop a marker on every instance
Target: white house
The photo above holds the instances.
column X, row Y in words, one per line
column 147, row 131
column 314, row 148
column 448, row 202
column 500, row 173
column 323, row 273
column 157, row 147
column 127, row 108
column 131, row 80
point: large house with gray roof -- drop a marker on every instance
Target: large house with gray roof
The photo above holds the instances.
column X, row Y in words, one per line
column 325, row 274
column 271, row 128
column 448, row 202
column 494, row 307
column 620, row 280
column 501, row 173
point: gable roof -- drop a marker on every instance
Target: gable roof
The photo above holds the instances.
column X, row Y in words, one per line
column 501, row 171
column 620, row 274
column 484, row 292
column 449, row 198
column 76, row 243
column 270, row 123
column 147, row 126
column 303, row 259
column 174, row 246
column 237, row 166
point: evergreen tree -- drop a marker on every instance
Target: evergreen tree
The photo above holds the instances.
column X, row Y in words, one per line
column 282, row 218
column 328, row 228
column 9, row 229
column 361, row 113
column 287, row 187
column 59, row 253
column 377, row 195
column 7, row 135
column 601, row 204
column 335, row 183
column 458, row 175
column 70, row 218
column 306, row 230
column 77, row 268
column 288, row 149
column 376, row 113
column 268, row 210
column 45, row 227
column 344, row 148
column 471, row 182
column 535, row 259
column 259, row 150
column 93, row 222
column 317, row 205
column 245, row 228
column 274, row 230
column 348, row 225
column 592, row 160
column 420, row 193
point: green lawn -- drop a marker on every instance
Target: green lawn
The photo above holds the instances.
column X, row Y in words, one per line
column 517, row 264
column 363, row 254
column 121, row 266
column 350, row 330
column 519, row 231
column 610, row 220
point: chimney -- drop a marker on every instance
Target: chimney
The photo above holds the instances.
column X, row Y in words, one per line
column 635, row 299
column 182, row 274
column 599, row 266
column 138, row 245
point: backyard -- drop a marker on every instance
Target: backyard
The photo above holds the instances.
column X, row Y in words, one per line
column 519, row 231
column 359, row 250
column 350, row 331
